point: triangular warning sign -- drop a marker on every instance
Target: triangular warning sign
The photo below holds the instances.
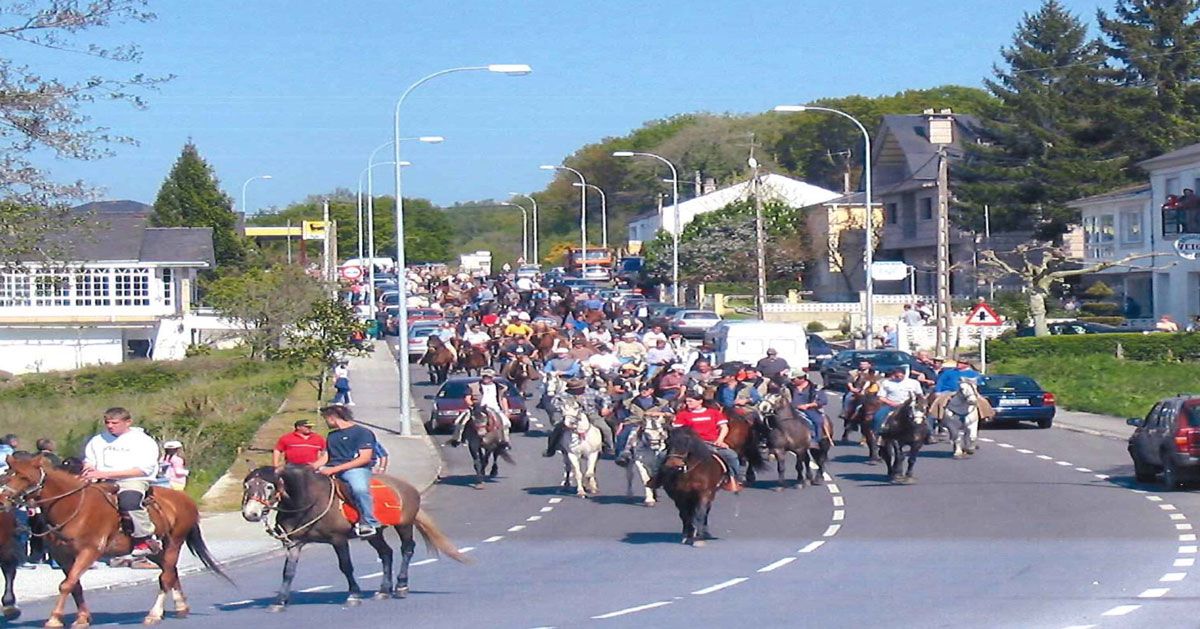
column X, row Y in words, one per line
column 982, row 314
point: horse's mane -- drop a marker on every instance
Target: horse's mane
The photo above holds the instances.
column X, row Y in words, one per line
column 297, row 479
column 685, row 441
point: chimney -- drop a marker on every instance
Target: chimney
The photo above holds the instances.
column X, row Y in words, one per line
column 941, row 126
column 710, row 185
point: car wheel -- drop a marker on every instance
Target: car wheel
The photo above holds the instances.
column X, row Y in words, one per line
column 1143, row 473
column 1170, row 474
column 1045, row 423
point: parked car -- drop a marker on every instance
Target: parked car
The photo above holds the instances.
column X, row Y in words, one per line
column 1018, row 398
column 414, row 315
column 528, row 270
column 418, row 339
column 448, row 404
column 1166, row 442
column 1080, row 327
column 819, row 350
column 692, row 323
column 597, row 273
column 835, row 372
column 664, row 317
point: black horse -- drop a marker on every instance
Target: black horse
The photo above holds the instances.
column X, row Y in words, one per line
column 691, row 475
column 308, row 510
column 788, row 433
column 487, row 446
column 904, row 426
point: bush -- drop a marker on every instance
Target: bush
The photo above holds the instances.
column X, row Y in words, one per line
column 815, row 326
column 1101, row 308
column 1156, row 347
column 1098, row 290
column 1103, row 384
column 1118, row 320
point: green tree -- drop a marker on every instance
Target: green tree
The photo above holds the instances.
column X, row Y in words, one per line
column 264, row 302
column 191, row 197
column 1044, row 145
column 321, row 338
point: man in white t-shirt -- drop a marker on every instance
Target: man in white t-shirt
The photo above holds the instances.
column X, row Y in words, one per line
column 894, row 391
column 127, row 455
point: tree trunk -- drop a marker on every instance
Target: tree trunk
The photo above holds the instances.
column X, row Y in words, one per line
column 321, row 378
column 1037, row 311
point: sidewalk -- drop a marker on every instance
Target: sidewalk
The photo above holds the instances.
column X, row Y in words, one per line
column 375, row 382
column 1090, row 423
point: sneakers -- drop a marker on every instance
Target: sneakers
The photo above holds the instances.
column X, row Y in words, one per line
column 146, row 547
column 364, row 530
column 623, row 460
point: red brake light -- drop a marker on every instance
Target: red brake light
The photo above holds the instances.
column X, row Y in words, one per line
column 1047, row 399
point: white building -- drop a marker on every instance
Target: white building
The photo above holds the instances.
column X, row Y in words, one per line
column 124, row 290
column 792, row 192
column 1117, row 225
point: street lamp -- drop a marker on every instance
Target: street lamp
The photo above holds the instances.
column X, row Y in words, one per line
column 869, row 253
column 511, row 69
column 582, row 216
column 524, row 230
column 675, row 227
column 536, row 254
column 245, row 210
column 603, row 213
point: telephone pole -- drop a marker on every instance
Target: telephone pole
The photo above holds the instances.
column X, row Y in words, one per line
column 942, row 310
column 759, row 239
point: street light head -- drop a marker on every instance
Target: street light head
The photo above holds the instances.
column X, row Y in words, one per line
column 511, row 69
column 790, row 108
column 404, row 163
column 622, row 153
column 548, row 167
column 431, row 139
column 265, row 176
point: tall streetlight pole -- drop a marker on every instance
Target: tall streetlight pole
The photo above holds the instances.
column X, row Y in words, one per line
column 536, row 251
column 524, row 230
column 869, row 248
column 582, row 216
column 512, row 69
column 675, row 228
column 246, row 210
column 603, row 213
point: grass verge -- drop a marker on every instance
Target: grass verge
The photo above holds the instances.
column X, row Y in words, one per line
column 1104, row 384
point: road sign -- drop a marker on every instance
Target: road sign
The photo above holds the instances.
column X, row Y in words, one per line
column 982, row 314
column 313, row 230
column 888, row 271
column 351, row 272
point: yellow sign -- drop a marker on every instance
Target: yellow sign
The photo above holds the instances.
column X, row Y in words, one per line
column 313, row 230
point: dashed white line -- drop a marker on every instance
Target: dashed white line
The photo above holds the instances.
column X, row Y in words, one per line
column 1101, row 476
column 514, row 529
column 1154, row 498
column 466, row 549
column 1154, row 593
column 1121, row 610
column 1080, row 627
column 631, row 610
column 1177, row 516
column 1006, row 445
column 839, row 515
column 241, row 602
column 1183, row 527
column 1187, row 537
column 1064, row 463
column 425, row 562
column 833, row 489
column 317, row 588
column 811, row 546
column 1184, row 562
column 373, row 575
column 1172, row 577
column 777, row 564
column 987, row 440
column 1167, row 507
column 839, row 501
column 494, row 538
column 832, row 530
column 1024, row 451
column 1083, row 469
column 1188, row 550
column 555, row 501
column 720, row 586
column 533, row 518
column 547, row 509
column 1045, row 458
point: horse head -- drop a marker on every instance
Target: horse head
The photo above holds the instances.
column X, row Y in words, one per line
column 654, row 431
column 25, row 478
column 574, row 419
column 682, row 444
column 262, row 489
column 968, row 389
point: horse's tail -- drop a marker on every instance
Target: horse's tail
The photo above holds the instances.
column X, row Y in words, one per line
column 435, row 540
column 195, row 543
column 503, row 453
column 754, row 457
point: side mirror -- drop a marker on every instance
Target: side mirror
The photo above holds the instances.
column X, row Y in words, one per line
column 1133, row 421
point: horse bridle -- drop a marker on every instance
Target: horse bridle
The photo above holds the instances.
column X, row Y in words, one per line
column 274, row 530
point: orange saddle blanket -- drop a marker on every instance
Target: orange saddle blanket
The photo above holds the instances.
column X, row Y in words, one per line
column 388, row 508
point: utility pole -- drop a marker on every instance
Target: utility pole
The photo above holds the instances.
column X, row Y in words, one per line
column 327, row 267
column 942, row 310
column 760, row 244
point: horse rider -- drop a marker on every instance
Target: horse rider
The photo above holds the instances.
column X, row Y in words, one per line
column 895, row 390
column 856, row 386
column 591, row 403
column 490, row 396
column 515, row 347
column 651, row 338
column 479, row 339
column 447, row 335
column 809, row 402
column 636, row 409
column 629, row 349
column 597, row 334
column 604, row 361
column 626, row 323
column 124, row 453
column 924, row 370
column 517, row 326
column 659, row 357
column 562, row 364
column 580, row 349
column 711, row 425
column 947, row 381
column 673, row 384
column 772, row 365
column 702, row 374
column 351, row 449
column 738, row 398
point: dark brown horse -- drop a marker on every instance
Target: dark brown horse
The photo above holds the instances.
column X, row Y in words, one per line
column 544, row 341
column 10, row 558
column 862, row 418
column 743, row 439
column 472, row 358
column 691, row 475
column 904, row 426
column 520, row 371
column 438, row 358
column 308, row 510
column 789, row 433
column 85, row 525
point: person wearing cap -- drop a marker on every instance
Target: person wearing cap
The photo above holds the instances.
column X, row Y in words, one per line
column 809, row 402
column 492, row 397
column 947, row 381
column 894, row 391
column 673, row 383
column 772, row 365
column 591, row 402
column 738, row 396
column 627, row 323
column 856, row 386
column 172, row 469
column 636, row 409
column 561, row 364
column 514, row 347
column 302, row 446
column 629, row 349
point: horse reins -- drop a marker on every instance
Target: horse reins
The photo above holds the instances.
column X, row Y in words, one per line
column 26, row 496
column 285, row 537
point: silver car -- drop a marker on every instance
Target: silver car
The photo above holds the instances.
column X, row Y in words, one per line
column 693, row 323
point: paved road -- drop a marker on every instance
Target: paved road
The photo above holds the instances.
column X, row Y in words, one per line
column 1042, row 528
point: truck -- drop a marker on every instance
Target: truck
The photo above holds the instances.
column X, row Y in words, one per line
column 477, row 264
column 599, row 261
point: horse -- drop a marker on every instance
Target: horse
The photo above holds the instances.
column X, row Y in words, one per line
column 439, row 358
column 472, row 358
column 789, row 433
column 10, row 558
column 743, row 439
column 520, row 371
column 646, row 444
column 545, row 340
column 905, row 426
column 862, row 418
column 962, row 424
column 307, row 508
column 84, row 525
column 580, row 444
column 485, row 445
column 553, row 386
column 691, row 474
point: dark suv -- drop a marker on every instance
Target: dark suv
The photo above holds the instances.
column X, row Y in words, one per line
column 1167, row 442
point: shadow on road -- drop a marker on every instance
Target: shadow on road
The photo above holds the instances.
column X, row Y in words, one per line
column 651, row 537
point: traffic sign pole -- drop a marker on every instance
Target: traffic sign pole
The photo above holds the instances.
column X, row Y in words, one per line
column 982, row 352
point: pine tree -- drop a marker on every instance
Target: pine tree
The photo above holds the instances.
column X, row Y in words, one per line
column 191, row 197
column 1153, row 43
column 1044, row 146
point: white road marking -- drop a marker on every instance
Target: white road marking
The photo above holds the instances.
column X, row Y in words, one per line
column 832, row 530
column 1064, row 463
column 466, row 549
column 425, row 562
column 1154, row 498
column 1024, row 451
column 1188, row 550
column 1045, row 458
column 1183, row 527
column 839, row 501
column 494, row 538
column 547, row 509
column 987, row 440
column 1006, row 445
column 1187, row 537
column 839, row 515
column 555, row 501
column 1172, row 577
column 720, row 586
column 1102, row 476
column 1154, row 593
column 827, row 477
column 1080, row 627
column 241, row 602
column 1083, row 469
column 833, row 489
column 1177, row 516
column 1121, row 610
column 1138, row 491
column 1167, row 507
column 373, row 575
column 811, row 546
column 514, row 529
column 317, row 588
column 631, row 610
column 1185, row 562
column 533, row 518
column 777, row 564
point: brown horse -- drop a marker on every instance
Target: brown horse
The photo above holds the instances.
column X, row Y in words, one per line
column 308, row 510
column 84, row 525
column 472, row 358
column 520, row 371
column 544, row 341
column 743, row 439
column 691, row 474
column 10, row 558
column 438, row 358
column 862, row 418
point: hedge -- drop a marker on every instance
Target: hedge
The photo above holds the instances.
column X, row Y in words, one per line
column 1155, row 347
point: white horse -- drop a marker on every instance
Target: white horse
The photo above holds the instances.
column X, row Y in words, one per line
column 580, row 444
column 649, row 440
column 962, row 417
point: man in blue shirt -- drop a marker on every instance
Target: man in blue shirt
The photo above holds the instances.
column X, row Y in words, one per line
column 947, row 381
column 351, row 451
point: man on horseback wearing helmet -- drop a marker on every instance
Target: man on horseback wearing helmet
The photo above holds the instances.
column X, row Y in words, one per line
column 127, row 455
column 492, row 397
column 592, row 403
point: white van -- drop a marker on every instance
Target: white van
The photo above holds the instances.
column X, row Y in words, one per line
column 748, row 342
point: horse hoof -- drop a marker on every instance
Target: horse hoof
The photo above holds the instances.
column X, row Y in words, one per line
column 353, row 601
column 777, row 489
column 582, row 495
column 148, row 620
column 382, row 596
column 183, row 613
column 477, row 486
column 12, row 613
column 649, row 503
column 276, row 608
column 699, row 543
column 53, row 621
column 401, row 592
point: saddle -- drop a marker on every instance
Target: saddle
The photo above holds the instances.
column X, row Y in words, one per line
column 388, row 505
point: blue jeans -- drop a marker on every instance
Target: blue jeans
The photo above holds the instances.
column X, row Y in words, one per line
column 359, row 479
column 816, row 423
column 880, row 417
column 731, row 460
column 627, row 431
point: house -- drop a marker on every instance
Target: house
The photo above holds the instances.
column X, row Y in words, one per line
column 792, row 192
column 837, row 229
column 1116, row 225
column 119, row 289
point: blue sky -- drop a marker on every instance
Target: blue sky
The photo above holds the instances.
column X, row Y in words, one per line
column 304, row 90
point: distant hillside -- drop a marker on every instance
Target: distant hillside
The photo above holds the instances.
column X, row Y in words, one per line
column 115, row 207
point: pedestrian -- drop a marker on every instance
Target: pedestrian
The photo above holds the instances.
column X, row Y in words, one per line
column 302, row 446
column 172, row 468
column 772, row 365
column 911, row 317
column 8, row 445
column 380, row 464
column 1166, row 324
column 341, row 385
column 351, row 449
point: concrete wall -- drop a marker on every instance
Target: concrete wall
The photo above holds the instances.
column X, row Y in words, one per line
column 24, row 350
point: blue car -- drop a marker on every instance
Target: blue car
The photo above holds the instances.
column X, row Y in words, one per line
column 1018, row 398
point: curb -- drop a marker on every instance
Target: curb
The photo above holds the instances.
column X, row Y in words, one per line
column 1089, row 431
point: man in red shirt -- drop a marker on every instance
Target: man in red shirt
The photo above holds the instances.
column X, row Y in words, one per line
column 710, row 425
column 302, row 446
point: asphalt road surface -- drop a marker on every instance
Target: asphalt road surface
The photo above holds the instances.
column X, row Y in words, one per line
column 1041, row 528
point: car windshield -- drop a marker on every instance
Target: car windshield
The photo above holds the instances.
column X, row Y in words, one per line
column 700, row 315
column 1022, row 383
column 425, row 332
column 424, row 312
column 876, row 358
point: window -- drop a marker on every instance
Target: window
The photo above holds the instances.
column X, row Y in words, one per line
column 14, row 290
column 51, row 289
column 893, row 217
column 1099, row 232
column 92, row 288
column 1107, row 228
column 131, row 287
column 927, row 209
column 1131, row 227
column 168, row 287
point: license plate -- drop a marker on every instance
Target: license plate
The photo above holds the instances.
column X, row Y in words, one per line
column 1014, row 402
